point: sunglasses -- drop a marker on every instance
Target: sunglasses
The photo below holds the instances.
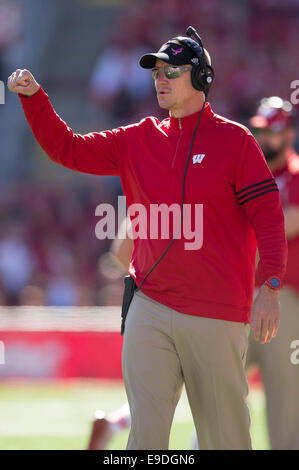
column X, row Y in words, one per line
column 170, row 71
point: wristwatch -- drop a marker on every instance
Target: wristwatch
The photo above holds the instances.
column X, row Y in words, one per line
column 273, row 283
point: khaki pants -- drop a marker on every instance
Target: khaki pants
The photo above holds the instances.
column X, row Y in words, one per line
column 280, row 376
column 163, row 349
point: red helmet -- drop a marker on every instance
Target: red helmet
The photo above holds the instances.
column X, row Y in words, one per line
column 273, row 113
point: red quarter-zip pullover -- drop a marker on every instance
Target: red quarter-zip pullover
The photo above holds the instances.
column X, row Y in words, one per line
column 227, row 174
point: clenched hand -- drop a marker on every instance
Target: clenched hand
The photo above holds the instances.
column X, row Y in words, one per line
column 22, row 81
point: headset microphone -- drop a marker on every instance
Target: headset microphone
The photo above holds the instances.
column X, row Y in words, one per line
column 190, row 31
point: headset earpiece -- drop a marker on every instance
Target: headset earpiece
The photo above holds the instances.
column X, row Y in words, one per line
column 202, row 74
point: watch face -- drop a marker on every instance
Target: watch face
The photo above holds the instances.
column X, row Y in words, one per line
column 274, row 282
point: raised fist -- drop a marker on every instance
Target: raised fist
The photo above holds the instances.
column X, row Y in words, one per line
column 22, row 81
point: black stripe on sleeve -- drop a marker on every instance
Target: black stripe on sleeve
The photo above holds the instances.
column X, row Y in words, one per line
column 254, row 185
column 270, row 185
column 257, row 195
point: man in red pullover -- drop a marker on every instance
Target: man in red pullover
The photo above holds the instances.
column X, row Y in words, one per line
column 189, row 322
column 274, row 125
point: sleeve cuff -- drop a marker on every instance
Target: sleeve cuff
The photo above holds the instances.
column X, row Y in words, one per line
column 33, row 100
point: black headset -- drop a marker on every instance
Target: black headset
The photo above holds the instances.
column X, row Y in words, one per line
column 202, row 74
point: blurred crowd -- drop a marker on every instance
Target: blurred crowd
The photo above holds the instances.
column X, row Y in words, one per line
column 253, row 45
column 11, row 27
column 49, row 254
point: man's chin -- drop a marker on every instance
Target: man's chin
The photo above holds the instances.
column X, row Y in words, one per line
column 164, row 105
column 163, row 102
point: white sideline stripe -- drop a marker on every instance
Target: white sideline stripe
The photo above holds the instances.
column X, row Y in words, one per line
column 60, row 318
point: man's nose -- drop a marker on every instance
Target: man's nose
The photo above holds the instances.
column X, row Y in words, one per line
column 161, row 77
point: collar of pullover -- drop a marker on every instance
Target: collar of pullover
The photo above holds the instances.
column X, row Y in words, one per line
column 191, row 120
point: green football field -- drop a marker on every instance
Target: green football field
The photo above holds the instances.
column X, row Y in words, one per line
column 58, row 415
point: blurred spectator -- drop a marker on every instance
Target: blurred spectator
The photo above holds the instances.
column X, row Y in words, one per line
column 85, row 297
column 32, row 295
column 3, row 298
column 118, row 83
column 61, row 291
column 11, row 26
column 16, row 260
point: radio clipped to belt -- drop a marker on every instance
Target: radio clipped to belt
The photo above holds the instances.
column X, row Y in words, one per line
column 130, row 287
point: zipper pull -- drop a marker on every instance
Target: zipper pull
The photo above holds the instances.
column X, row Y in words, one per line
column 180, row 124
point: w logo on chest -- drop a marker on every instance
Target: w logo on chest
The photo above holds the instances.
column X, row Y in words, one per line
column 198, row 158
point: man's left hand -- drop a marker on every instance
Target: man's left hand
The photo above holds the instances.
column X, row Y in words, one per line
column 265, row 314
